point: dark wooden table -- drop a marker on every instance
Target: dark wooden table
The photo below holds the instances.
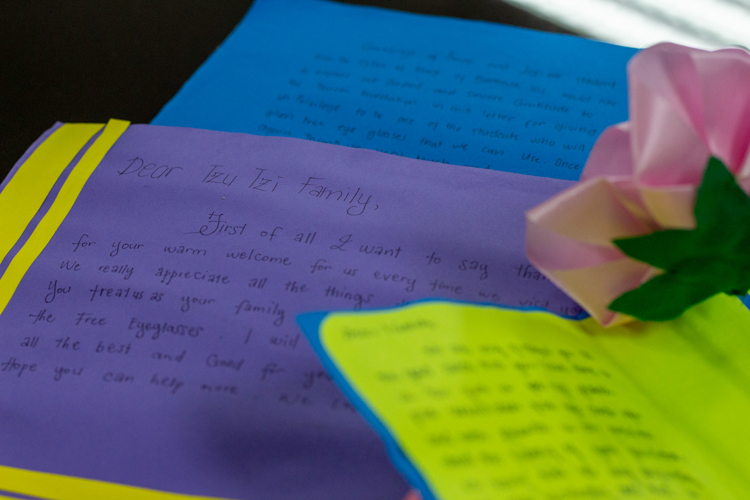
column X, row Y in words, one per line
column 88, row 61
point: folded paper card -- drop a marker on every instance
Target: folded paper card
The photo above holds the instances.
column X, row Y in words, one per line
column 147, row 312
column 447, row 90
column 481, row 402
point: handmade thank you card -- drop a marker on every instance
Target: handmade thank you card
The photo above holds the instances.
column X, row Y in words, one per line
column 149, row 280
column 482, row 402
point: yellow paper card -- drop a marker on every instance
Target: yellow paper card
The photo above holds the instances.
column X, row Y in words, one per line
column 27, row 190
column 58, row 487
column 59, row 210
column 491, row 403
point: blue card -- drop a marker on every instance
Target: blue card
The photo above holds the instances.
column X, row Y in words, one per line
column 448, row 90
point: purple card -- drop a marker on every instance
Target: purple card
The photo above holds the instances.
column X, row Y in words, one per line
column 160, row 317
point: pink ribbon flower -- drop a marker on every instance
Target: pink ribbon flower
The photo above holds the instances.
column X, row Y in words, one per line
column 686, row 106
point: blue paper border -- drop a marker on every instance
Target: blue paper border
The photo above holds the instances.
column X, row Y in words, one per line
column 310, row 324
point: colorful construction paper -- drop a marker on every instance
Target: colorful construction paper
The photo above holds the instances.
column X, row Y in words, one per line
column 58, row 487
column 151, row 342
column 64, row 200
column 479, row 402
column 447, row 90
column 23, row 194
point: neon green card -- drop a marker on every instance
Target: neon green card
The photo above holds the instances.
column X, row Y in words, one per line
column 479, row 402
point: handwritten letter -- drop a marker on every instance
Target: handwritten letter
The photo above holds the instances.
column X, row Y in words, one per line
column 158, row 323
column 492, row 403
column 446, row 90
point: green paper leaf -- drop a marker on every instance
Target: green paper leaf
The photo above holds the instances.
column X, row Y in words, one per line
column 662, row 249
column 655, row 290
column 697, row 263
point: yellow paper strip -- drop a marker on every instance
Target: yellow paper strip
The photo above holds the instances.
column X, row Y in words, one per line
column 58, row 211
column 27, row 190
column 57, row 487
column 495, row 403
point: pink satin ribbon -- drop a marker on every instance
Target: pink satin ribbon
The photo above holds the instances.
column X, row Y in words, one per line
column 685, row 105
